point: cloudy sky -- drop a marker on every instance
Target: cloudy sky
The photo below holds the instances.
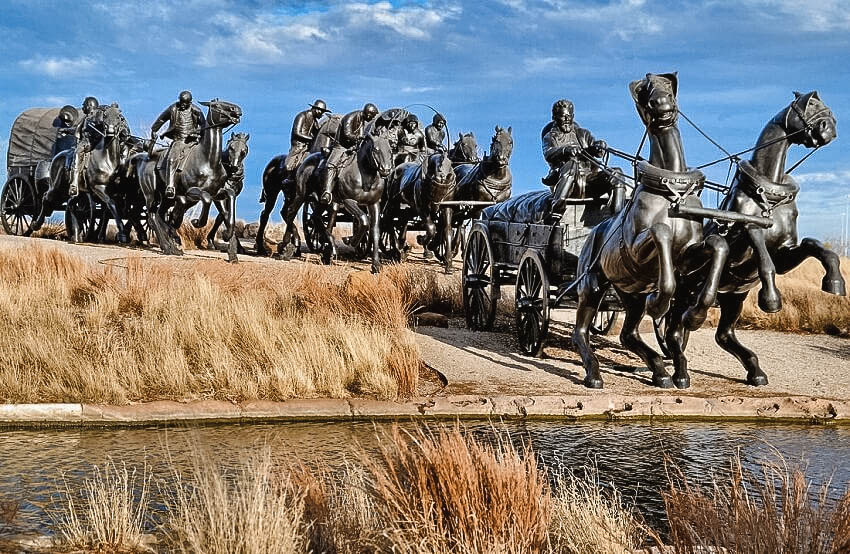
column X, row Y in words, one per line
column 481, row 63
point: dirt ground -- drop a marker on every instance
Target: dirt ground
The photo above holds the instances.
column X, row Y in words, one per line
column 489, row 363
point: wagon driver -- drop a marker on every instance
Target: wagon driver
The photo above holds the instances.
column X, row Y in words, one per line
column 186, row 121
column 86, row 126
column 435, row 133
column 566, row 147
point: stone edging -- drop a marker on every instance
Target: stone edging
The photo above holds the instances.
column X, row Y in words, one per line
column 572, row 407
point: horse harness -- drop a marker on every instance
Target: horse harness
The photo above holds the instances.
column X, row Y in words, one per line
column 766, row 194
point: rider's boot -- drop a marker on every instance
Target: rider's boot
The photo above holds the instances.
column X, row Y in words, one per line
column 327, row 186
column 618, row 199
column 74, row 187
column 169, row 186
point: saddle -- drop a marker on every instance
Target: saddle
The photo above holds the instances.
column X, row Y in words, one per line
column 176, row 152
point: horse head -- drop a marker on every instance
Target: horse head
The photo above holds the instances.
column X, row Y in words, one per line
column 502, row 146
column 236, row 149
column 655, row 99
column 808, row 116
column 465, row 149
column 376, row 147
column 111, row 121
column 221, row 113
column 439, row 169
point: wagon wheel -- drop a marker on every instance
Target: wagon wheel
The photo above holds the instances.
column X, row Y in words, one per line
column 604, row 321
column 312, row 234
column 19, row 205
column 479, row 282
column 80, row 215
column 532, row 304
column 386, row 243
column 660, row 328
column 438, row 247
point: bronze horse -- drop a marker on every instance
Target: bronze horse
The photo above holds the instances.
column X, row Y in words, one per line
column 99, row 174
column 422, row 186
column 465, row 149
column 202, row 178
column 761, row 187
column 360, row 182
column 233, row 159
column 640, row 249
column 489, row 180
column 276, row 180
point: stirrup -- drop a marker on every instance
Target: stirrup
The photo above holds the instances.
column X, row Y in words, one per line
column 169, row 192
column 73, row 191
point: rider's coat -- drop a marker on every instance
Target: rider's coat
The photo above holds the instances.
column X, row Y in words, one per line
column 181, row 123
column 305, row 127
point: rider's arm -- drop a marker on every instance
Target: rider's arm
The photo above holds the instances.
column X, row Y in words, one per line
column 160, row 121
column 297, row 129
column 552, row 152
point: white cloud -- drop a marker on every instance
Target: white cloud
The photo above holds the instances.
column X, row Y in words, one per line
column 821, row 16
column 54, row 67
column 417, row 90
column 825, row 177
column 623, row 18
column 409, row 21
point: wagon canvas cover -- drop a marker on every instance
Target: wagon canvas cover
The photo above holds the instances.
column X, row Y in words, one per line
column 33, row 136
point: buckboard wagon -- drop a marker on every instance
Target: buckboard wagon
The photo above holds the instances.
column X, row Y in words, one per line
column 510, row 244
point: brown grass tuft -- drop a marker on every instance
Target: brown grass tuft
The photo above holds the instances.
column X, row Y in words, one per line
column 72, row 332
column 192, row 237
column 775, row 511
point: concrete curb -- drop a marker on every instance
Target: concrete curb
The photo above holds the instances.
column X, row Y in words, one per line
column 569, row 407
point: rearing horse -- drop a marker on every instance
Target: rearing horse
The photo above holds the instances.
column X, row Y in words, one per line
column 360, row 183
column 762, row 187
column 639, row 250
column 201, row 179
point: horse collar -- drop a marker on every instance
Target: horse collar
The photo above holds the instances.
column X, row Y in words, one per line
column 767, row 194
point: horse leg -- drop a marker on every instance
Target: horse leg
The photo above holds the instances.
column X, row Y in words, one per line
column 787, row 259
column 329, row 248
column 674, row 339
column 361, row 220
column 446, row 222
column 770, row 301
column 229, row 218
column 219, row 219
column 287, row 247
column 715, row 247
column 428, row 238
column 630, row 338
column 661, row 237
column 268, row 206
column 375, row 228
column 731, row 305
column 589, row 296
column 196, row 194
column 100, row 192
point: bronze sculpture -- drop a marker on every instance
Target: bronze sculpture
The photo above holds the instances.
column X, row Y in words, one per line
column 202, row 179
column 411, row 141
column 305, row 127
column 233, row 160
column 567, row 148
column 761, row 187
column 489, row 180
column 422, row 187
column 185, row 123
column 435, row 133
column 465, row 149
column 348, row 134
column 640, row 250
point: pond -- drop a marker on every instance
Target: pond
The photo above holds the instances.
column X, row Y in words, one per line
column 630, row 456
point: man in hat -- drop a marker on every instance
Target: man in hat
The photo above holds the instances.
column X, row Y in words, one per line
column 305, row 127
column 435, row 133
column 351, row 128
column 411, row 140
column 566, row 148
column 86, row 133
column 185, row 123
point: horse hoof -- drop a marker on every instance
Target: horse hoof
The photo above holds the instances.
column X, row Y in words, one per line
column 769, row 302
column 758, row 379
column 328, row 254
column 593, row 382
column 428, row 255
column 834, row 286
column 682, row 382
column 325, row 198
column 376, row 269
column 123, row 238
column 662, row 381
column 449, row 270
column 287, row 251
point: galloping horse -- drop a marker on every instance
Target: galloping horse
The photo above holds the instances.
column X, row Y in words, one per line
column 360, row 182
column 422, row 186
column 490, row 179
column 465, row 149
column 644, row 239
column 762, row 187
column 276, row 180
column 233, row 159
column 99, row 173
column 201, row 179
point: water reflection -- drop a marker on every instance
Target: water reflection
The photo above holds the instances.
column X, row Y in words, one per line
column 629, row 455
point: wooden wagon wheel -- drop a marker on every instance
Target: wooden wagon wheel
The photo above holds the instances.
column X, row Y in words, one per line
column 19, row 205
column 79, row 217
column 479, row 282
column 532, row 304
column 660, row 328
column 310, row 222
column 439, row 249
column 604, row 321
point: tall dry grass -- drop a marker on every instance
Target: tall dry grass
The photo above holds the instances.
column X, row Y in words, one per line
column 752, row 513
column 804, row 306
column 73, row 332
column 107, row 514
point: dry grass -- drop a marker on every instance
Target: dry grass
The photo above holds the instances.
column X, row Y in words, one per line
column 775, row 511
column 192, row 237
column 587, row 518
column 52, row 229
column 247, row 511
column 72, row 332
column 804, row 306
column 107, row 514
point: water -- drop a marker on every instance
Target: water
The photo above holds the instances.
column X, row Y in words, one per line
column 630, row 456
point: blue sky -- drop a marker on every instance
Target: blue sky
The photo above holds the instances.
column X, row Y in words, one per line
column 481, row 63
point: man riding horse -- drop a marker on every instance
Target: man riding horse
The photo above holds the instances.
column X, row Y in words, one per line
column 571, row 175
column 185, row 124
column 435, row 133
column 347, row 136
column 84, row 127
column 305, row 127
